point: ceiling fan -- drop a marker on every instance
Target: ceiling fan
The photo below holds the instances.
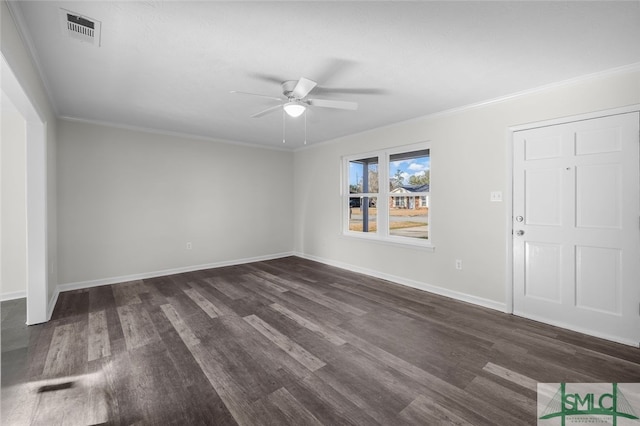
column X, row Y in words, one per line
column 295, row 101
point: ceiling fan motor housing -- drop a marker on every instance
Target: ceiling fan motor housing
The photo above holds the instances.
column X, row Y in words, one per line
column 288, row 86
column 296, row 102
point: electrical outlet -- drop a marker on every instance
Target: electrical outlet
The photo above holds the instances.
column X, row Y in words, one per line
column 496, row 196
column 459, row 264
column 189, row 246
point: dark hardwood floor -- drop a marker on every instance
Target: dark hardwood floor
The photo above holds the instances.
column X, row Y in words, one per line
column 293, row 342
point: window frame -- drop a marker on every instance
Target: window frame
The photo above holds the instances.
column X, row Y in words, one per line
column 382, row 233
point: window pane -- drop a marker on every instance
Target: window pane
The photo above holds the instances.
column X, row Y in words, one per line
column 409, row 174
column 363, row 176
column 408, row 217
column 410, row 169
column 363, row 214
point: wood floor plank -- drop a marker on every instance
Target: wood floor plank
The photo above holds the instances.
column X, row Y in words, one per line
column 18, row 405
column 268, row 413
column 192, row 315
column 38, row 351
column 152, row 375
column 290, row 341
column 203, row 403
column 542, row 370
column 296, row 351
column 72, row 305
column 513, row 402
column 159, row 288
column 293, row 410
column 512, row 376
column 229, row 289
column 68, row 350
column 352, row 392
column 183, row 330
column 151, row 294
column 99, row 344
column 253, row 279
column 104, row 368
column 97, row 409
column 389, row 330
column 231, row 393
column 329, row 406
column 317, row 308
column 329, row 302
column 266, row 293
column 312, row 342
column 431, row 381
column 208, row 307
column 336, row 340
column 291, row 271
column 127, row 293
column 310, row 308
column 423, row 408
column 62, row 406
column 117, row 343
column 209, row 293
column 252, row 371
column 277, row 280
column 101, row 298
column 352, row 299
column 249, row 305
column 137, row 327
column 263, row 352
column 122, row 398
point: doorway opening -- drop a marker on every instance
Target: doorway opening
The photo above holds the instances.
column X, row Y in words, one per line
column 35, row 196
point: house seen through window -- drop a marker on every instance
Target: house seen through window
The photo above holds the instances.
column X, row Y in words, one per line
column 388, row 195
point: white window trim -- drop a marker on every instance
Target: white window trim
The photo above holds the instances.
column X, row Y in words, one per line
column 381, row 235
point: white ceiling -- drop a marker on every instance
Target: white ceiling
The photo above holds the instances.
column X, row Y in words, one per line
column 170, row 66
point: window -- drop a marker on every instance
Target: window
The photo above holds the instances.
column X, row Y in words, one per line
column 386, row 195
column 363, row 194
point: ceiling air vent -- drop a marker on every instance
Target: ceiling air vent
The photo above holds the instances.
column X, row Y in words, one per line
column 80, row 27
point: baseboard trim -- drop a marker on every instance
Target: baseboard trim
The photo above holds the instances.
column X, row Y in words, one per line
column 486, row 303
column 617, row 339
column 12, row 296
column 145, row 275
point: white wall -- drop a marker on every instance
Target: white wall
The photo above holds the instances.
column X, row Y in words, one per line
column 469, row 160
column 14, row 212
column 18, row 57
column 129, row 201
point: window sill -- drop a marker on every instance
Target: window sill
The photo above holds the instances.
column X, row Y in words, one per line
column 390, row 241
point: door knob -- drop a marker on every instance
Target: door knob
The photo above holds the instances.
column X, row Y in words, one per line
column 519, row 232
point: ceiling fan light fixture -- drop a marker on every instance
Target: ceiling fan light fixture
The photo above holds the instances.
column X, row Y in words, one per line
column 294, row 108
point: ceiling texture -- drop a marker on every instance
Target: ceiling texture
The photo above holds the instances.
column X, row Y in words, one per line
column 170, row 66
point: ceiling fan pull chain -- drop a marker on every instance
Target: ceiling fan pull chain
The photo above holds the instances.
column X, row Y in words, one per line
column 283, row 126
column 305, row 126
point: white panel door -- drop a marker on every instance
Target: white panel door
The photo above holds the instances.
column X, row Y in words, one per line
column 576, row 226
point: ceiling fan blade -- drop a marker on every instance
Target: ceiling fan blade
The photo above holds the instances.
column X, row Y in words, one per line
column 266, row 111
column 257, row 94
column 303, row 88
column 350, row 91
column 325, row 103
column 334, row 68
column 266, row 77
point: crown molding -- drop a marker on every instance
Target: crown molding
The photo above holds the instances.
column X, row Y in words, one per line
column 169, row 133
column 626, row 69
